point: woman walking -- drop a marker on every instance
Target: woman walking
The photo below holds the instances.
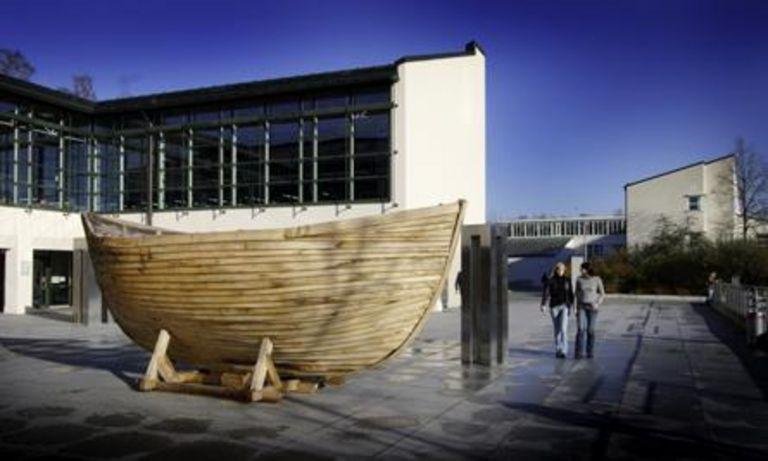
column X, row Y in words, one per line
column 558, row 297
column 589, row 295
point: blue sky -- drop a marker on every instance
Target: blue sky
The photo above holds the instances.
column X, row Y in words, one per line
column 582, row 96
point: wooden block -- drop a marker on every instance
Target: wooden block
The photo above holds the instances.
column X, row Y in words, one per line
column 147, row 385
column 234, row 380
column 260, row 369
column 267, row 394
column 190, row 377
column 306, row 387
column 335, row 380
column 274, row 377
column 290, row 385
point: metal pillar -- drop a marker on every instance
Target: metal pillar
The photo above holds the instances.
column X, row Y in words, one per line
column 483, row 279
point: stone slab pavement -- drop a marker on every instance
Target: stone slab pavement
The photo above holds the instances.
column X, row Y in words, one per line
column 670, row 380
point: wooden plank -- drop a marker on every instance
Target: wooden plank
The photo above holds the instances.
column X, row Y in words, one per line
column 260, row 369
column 161, row 346
column 274, row 377
column 167, row 370
column 202, row 389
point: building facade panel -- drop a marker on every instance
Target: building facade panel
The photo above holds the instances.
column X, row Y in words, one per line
column 698, row 198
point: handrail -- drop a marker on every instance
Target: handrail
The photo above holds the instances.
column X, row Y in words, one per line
column 737, row 300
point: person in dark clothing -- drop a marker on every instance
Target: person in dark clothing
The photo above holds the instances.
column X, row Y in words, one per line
column 558, row 298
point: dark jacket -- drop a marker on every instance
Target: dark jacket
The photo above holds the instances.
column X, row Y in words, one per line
column 557, row 291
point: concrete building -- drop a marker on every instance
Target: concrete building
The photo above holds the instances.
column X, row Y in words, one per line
column 535, row 245
column 699, row 197
column 254, row 155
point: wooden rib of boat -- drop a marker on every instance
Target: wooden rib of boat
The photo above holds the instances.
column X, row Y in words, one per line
column 334, row 298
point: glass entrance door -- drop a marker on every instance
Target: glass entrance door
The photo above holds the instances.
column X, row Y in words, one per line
column 52, row 283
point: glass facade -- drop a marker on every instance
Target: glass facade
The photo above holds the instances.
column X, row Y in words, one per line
column 555, row 227
column 329, row 147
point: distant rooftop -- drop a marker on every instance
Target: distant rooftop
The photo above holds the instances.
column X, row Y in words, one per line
column 692, row 165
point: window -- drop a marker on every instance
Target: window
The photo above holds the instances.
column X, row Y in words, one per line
column 135, row 177
column 694, row 203
column 283, row 162
column 332, row 148
column 176, row 168
column 324, row 146
column 372, row 157
column 76, row 172
column 45, row 168
column 250, row 164
column 6, row 164
column 206, row 167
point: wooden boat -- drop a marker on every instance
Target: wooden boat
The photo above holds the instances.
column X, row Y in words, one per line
column 334, row 298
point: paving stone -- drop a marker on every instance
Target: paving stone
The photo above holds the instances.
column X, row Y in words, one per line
column 49, row 434
column 203, row 450
column 114, row 419
column 181, row 425
column 118, row 445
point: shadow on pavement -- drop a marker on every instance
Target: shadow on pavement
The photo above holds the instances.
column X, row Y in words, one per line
column 640, row 441
column 755, row 362
column 118, row 360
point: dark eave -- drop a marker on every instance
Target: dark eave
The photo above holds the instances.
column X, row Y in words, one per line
column 676, row 170
column 46, row 95
column 298, row 84
column 312, row 82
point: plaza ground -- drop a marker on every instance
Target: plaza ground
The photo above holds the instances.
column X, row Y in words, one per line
column 669, row 380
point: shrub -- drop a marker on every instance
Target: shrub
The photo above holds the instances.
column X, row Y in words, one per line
column 677, row 262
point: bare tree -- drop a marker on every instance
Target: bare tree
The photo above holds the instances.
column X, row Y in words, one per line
column 14, row 64
column 82, row 86
column 750, row 182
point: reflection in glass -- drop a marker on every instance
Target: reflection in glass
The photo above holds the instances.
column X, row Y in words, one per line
column 6, row 164
column 135, row 193
column 205, row 190
column 372, row 160
column 283, row 162
column 176, row 168
column 250, row 167
column 332, row 149
column 45, row 166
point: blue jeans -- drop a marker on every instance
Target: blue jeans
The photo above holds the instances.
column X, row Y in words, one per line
column 560, row 322
column 585, row 319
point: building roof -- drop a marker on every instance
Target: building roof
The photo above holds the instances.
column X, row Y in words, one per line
column 536, row 246
column 703, row 162
column 350, row 77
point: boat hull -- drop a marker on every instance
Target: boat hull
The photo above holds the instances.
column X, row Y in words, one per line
column 334, row 298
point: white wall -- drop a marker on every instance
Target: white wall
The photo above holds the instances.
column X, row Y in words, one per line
column 22, row 231
column 667, row 196
column 440, row 138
